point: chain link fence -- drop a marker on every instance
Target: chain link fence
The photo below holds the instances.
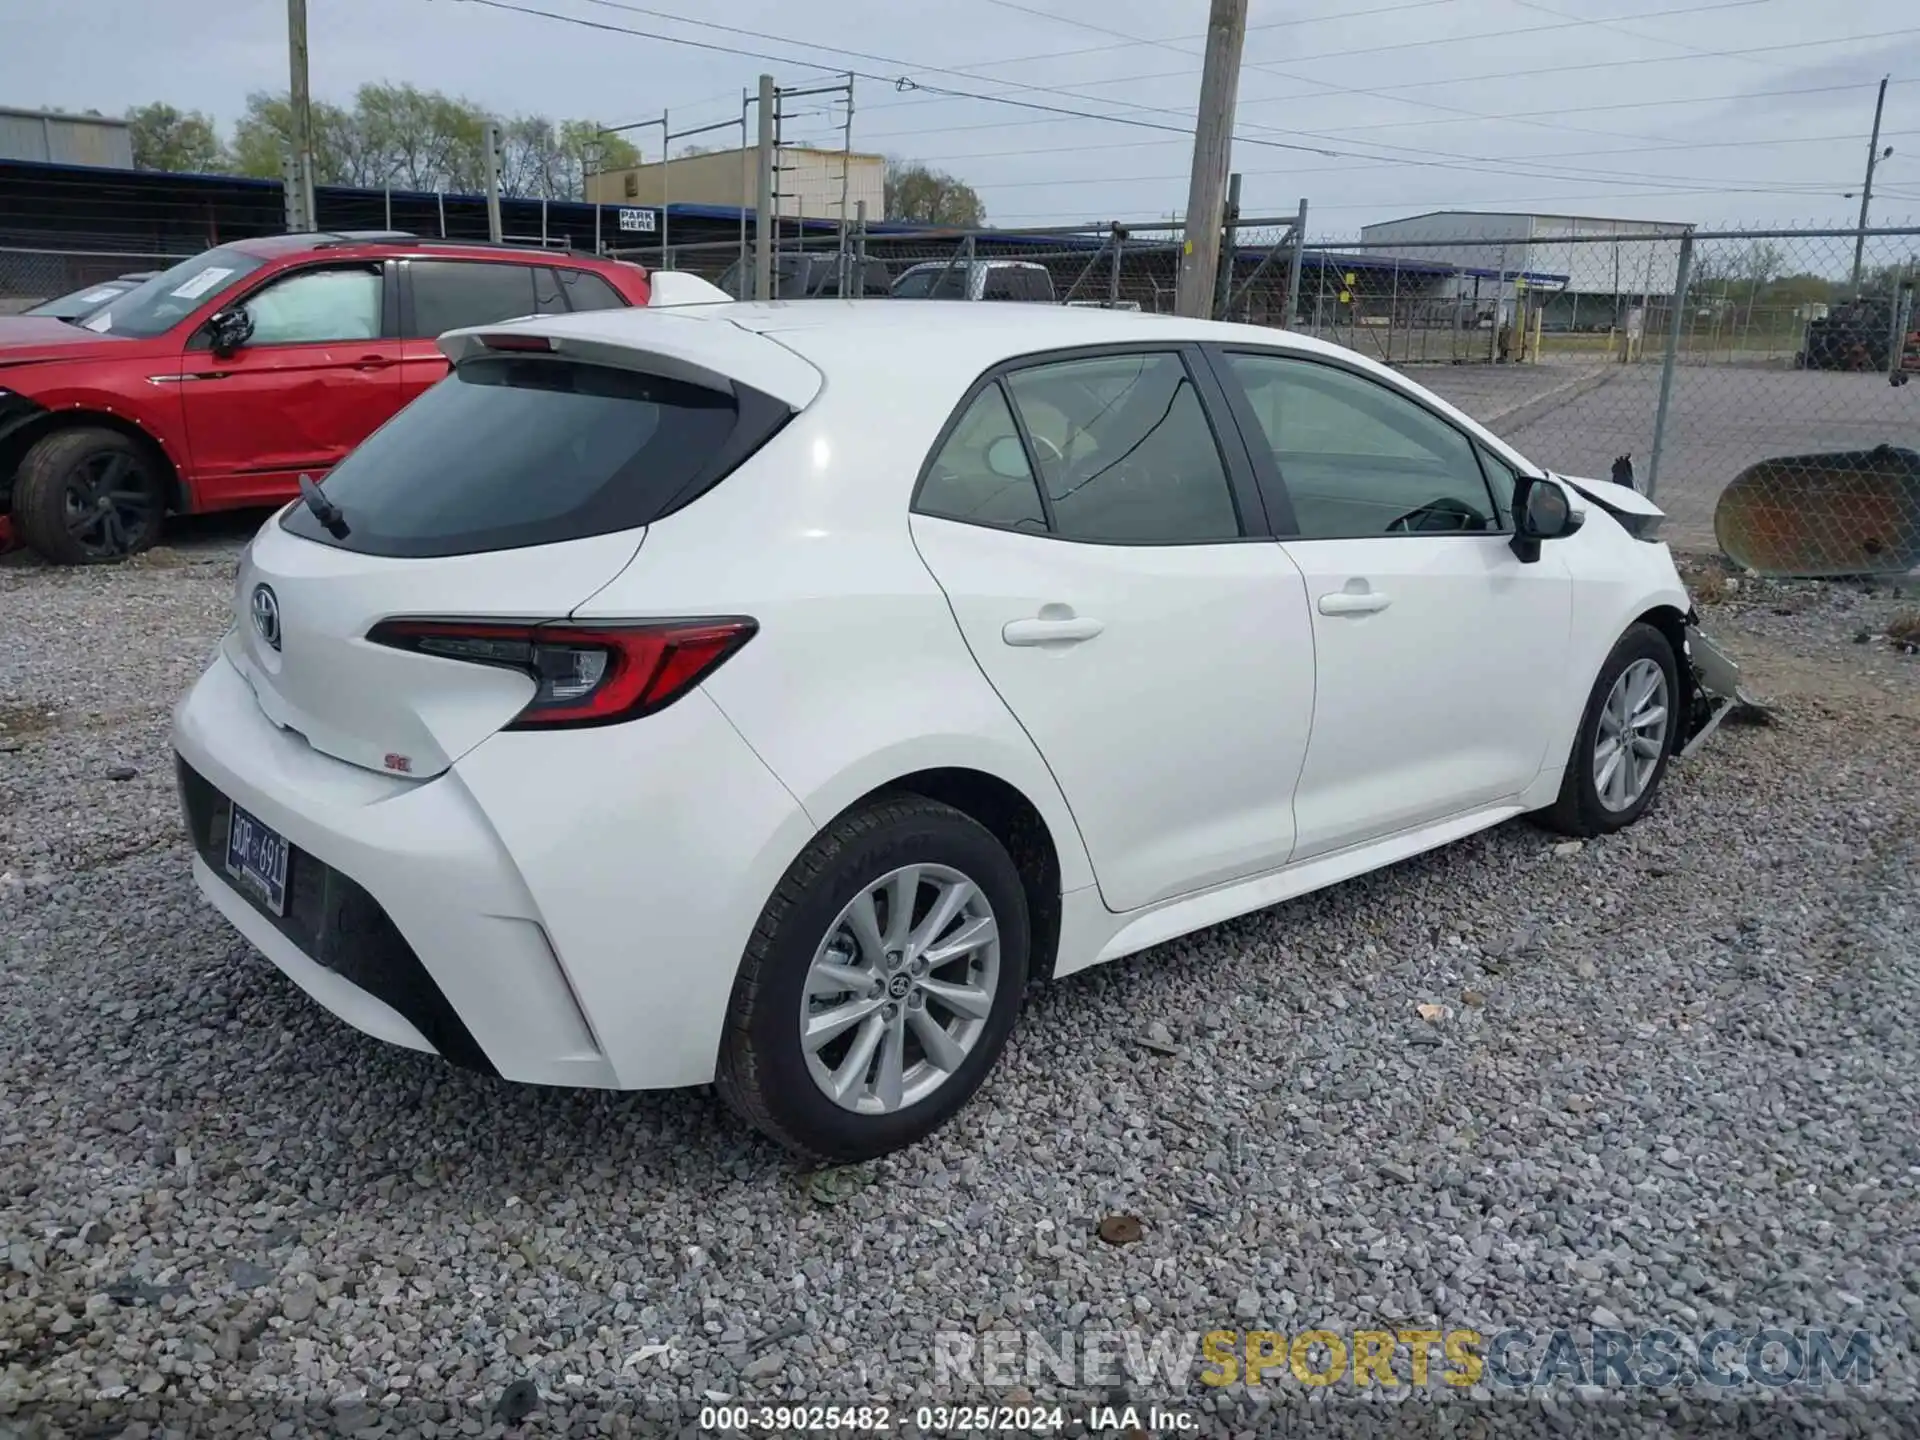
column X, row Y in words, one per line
column 29, row 277
column 1763, row 364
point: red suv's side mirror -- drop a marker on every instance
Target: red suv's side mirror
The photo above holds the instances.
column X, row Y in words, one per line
column 228, row 330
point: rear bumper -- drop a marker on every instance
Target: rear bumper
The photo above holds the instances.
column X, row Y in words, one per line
column 517, row 914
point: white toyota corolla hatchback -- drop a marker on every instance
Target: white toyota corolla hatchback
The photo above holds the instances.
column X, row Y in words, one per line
column 765, row 694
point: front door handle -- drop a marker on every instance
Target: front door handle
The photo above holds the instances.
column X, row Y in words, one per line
column 373, row 362
column 1066, row 631
column 1352, row 602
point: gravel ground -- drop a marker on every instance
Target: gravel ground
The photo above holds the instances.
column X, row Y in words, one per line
column 1674, row 1081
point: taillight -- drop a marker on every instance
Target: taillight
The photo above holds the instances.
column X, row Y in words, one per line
column 584, row 674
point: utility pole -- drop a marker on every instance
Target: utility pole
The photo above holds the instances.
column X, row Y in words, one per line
column 490, row 139
column 763, row 198
column 1874, row 157
column 301, row 105
column 1212, row 151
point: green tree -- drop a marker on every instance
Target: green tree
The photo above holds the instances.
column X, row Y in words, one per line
column 182, row 141
column 263, row 139
column 930, row 197
column 414, row 139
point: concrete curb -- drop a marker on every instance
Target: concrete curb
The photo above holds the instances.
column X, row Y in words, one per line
column 1525, row 412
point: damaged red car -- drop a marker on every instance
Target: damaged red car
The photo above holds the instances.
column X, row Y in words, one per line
column 217, row 383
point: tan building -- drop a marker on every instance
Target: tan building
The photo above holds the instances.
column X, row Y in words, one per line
column 808, row 184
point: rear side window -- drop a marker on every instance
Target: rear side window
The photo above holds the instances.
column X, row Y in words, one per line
column 587, row 291
column 449, row 294
column 1125, row 451
column 508, row 452
column 981, row 474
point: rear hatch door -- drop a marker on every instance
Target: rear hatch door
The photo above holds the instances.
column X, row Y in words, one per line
column 513, row 490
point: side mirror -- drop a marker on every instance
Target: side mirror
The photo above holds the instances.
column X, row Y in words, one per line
column 1541, row 511
column 228, row 330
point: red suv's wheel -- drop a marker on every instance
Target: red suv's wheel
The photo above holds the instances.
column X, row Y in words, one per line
column 87, row 496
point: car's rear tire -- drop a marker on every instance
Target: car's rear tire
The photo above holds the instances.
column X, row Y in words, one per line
column 1625, row 740
column 914, row 1008
column 88, row 496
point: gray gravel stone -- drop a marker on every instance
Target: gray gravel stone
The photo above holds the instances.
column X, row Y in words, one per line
column 1682, row 1093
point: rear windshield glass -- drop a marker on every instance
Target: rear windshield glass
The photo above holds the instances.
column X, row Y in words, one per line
column 159, row 304
column 507, row 452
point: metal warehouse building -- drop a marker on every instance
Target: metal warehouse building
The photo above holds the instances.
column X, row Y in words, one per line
column 53, row 137
column 1607, row 270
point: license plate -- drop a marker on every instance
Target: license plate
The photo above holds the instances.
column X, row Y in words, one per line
column 257, row 858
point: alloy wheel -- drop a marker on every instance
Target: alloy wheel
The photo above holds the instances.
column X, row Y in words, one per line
column 900, row 989
column 110, row 505
column 1633, row 735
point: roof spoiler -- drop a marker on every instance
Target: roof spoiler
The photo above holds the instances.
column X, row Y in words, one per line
column 677, row 287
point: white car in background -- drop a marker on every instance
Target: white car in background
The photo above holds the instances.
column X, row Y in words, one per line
column 764, row 694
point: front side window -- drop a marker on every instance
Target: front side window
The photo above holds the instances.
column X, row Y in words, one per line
column 1359, row 459
column 1125, row 450
column 981, row 474
column 315, row 306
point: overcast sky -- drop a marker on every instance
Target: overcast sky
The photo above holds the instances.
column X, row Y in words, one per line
column 1705, row 110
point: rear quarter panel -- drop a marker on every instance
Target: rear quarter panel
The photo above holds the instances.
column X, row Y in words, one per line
column 859, row 674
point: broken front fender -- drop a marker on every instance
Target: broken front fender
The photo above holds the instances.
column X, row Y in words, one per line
column 1714, row 690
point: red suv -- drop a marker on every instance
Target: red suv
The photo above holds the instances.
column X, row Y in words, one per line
column 216, row 384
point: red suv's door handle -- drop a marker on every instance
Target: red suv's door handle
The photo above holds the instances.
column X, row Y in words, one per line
column 373, row 362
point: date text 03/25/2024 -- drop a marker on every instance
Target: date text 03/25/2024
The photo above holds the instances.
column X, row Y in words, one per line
column 934, row 1420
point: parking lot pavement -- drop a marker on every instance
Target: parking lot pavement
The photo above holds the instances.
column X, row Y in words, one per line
column 1671, row 1080
column 1576, row 417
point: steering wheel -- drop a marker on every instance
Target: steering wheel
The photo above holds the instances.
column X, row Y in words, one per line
column 1047, row 448
column 1443, row 510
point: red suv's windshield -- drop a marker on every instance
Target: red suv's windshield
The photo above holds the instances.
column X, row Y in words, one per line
column 172, row 295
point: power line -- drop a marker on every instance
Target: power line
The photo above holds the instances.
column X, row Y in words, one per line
column 1785, row 187
column 1402, row 124
column 1614, row 23
column 1433, row 159
column 1375, row 92
column 1553, row 155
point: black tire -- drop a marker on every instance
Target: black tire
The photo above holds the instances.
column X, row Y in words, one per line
column 88, row 496
column 762, row 1073
column 1579, row 809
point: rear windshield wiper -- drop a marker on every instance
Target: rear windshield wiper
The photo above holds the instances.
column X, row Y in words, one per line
column 324, row 510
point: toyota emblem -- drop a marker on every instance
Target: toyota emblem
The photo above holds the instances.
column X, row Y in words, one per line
column 266, row 614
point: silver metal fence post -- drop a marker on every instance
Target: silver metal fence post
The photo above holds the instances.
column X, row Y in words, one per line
column 1119, row 239
column 1667, row 365
column 966, row 253
column 1293, row 266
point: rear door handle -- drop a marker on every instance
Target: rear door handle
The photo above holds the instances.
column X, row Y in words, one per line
column 1349, row 602
column 1051, row 632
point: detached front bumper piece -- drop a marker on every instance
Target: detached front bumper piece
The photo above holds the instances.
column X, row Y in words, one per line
column 1714, row 689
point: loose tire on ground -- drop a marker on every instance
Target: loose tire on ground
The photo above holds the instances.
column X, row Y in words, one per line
column 763, row 1073
column 62, row 481
column 1579, row 810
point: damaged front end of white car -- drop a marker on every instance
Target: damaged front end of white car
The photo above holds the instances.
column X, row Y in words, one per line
column 1711, row 688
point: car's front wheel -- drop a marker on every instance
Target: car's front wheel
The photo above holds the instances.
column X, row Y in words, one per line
column 1626, row 738
column 87, row 495
column 881, row 983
